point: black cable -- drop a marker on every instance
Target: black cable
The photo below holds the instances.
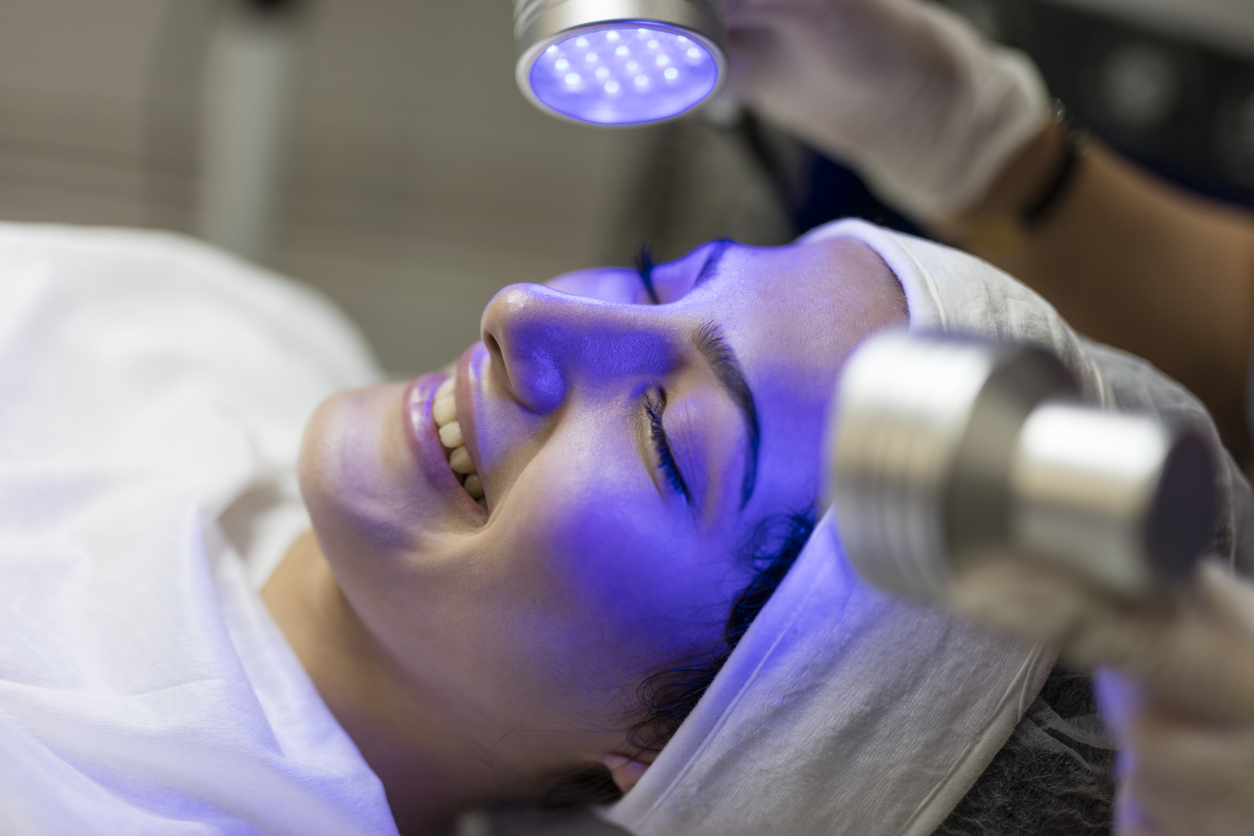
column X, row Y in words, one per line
column 750, row 129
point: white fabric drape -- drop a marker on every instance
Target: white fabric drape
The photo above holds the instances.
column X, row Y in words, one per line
column 153, row 393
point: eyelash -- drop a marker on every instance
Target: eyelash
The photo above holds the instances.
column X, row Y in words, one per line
column 654, row 407
column 644, row 268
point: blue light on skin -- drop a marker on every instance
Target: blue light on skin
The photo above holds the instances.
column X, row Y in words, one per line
column 501, row 645
column 642, row 74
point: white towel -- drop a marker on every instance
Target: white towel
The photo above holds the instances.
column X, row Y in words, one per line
column 845, row 711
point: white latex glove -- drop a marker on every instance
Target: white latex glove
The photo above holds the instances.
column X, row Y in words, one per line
column 904, row 91
column 1177, row 688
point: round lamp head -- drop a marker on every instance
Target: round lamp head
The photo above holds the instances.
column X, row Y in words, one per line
column 618, row 62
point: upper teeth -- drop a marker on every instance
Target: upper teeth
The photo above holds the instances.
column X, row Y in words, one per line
column 444, row 412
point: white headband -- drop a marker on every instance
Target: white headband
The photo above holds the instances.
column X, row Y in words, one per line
column 845, row 711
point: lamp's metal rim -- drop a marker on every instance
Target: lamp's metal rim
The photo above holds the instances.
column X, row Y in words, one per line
column 540, row 21
column 527, row 58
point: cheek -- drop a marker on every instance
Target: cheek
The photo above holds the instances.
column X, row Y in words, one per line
column 611, row 575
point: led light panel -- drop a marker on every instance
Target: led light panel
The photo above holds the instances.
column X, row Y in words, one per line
column 624, row 74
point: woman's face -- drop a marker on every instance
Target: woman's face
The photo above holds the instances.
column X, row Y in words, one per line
column 627, row 450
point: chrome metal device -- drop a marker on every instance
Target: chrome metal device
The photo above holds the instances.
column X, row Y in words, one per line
column 619, row 62
column 946, row 450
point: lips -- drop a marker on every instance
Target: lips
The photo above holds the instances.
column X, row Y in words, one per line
column 432, row 456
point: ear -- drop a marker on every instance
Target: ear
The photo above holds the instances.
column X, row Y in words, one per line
column 627, row 771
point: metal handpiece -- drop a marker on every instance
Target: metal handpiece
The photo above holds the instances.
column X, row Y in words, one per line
column 945, row 450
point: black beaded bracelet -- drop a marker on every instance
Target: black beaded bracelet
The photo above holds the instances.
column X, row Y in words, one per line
column 1075, row 143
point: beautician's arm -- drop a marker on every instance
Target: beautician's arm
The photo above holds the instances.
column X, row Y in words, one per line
column 1134, row 262
column 1176, row 688
column 938, row 120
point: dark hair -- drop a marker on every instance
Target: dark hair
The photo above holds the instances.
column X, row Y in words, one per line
column 1029, row 789
column 668, row 696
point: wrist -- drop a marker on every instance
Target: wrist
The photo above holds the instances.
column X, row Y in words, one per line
column 1052, row 192
column 1027, row 193
column 1019, row 182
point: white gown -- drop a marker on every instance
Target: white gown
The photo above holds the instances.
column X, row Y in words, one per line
column 152, row 396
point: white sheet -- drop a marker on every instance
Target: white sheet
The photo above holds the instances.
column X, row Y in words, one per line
column 153, row 393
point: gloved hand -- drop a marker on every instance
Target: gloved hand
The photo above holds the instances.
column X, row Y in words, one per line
column 904, row 91
column 1177, row 688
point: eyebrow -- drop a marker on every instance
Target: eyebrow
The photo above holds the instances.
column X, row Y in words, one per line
column 713, row 346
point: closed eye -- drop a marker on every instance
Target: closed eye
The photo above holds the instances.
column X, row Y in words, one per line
column 655, row 407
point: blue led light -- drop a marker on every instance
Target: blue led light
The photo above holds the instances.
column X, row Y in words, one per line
column 642, row 74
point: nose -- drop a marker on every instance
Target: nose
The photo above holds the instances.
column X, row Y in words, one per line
column 543, row 342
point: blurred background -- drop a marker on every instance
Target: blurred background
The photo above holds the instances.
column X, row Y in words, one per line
column 379, row 150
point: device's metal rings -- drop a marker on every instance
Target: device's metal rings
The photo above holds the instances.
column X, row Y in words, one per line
column 945, row 451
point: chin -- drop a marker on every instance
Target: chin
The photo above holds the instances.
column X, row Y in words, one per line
column 354, row 477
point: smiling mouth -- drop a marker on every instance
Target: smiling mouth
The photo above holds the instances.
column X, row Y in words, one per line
column 444, row 413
